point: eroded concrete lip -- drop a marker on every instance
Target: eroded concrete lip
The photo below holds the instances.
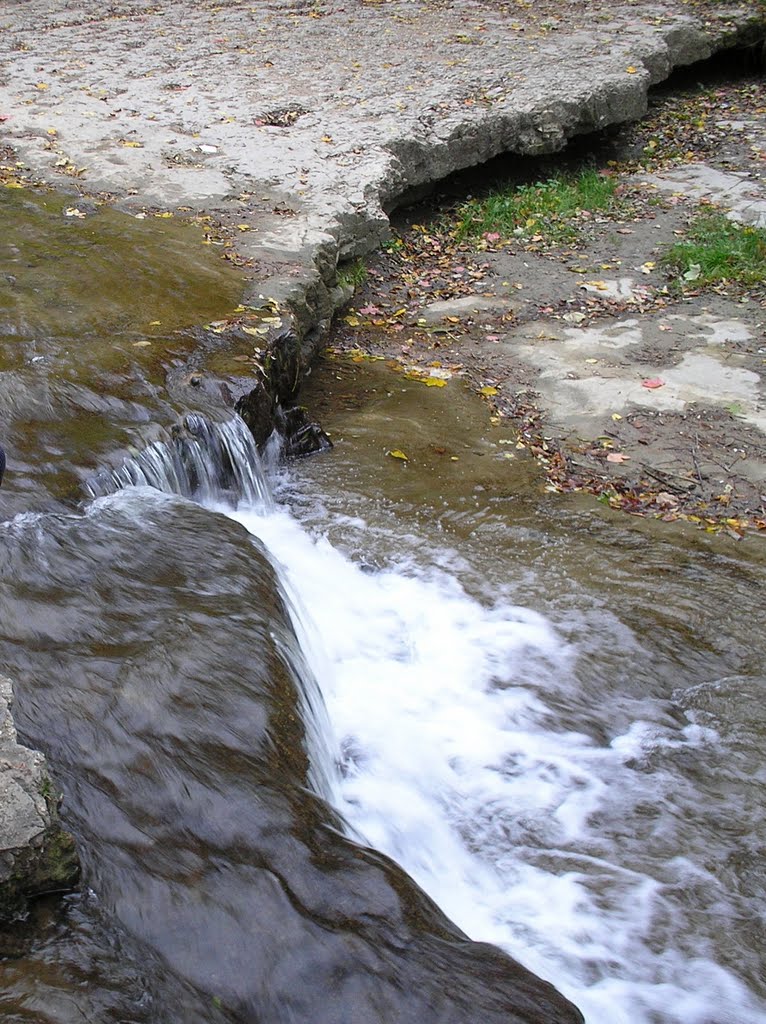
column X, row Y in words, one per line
column 310, row 128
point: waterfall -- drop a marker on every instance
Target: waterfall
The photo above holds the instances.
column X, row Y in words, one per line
column 208, row 462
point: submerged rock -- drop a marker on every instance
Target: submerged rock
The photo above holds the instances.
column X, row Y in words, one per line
column 197, row 781
column 36, row 854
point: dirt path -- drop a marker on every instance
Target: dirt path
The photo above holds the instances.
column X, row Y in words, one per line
column 623, row 378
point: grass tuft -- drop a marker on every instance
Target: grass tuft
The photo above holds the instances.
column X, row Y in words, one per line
column 353, row 273
column 554, row 209
column 717, row 250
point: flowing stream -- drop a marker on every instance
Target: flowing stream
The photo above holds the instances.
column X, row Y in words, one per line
column 552, row 717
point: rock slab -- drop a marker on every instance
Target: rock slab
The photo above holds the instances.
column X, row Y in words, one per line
column 36, row 855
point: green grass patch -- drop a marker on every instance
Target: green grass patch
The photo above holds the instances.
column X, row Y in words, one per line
column 353, row 273
column 717, row 250
column 555, row 209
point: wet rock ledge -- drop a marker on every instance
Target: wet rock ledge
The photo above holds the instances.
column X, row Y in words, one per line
column 36, row 854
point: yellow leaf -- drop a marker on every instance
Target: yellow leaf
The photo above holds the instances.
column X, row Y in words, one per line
column 487, row 390
column 452, row 319
column 141, row 344
column 155, row 323
column 42, row 86
column 397, row 454
column 164, row 215
column 631, row 70
column 243, row 227
column 616, row 416
column 131, row 144
column 435, row 382
column 256, row 331
column 52, row 131
column 352, row 321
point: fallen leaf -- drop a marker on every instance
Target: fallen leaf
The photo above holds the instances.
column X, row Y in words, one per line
column 369, row 310
column 631, row 70
column 616, row 416
column 693, row 273
column 435, row 382
column 666, row 500
column 652, row 382
column 72, row 211
column 397, row 454
column 617, row 457
column 487, row 390
column 648, row 267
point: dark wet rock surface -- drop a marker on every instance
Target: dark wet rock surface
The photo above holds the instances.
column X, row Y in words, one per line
column 193, row 776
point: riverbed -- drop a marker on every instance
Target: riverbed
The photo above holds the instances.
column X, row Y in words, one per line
column 548, row 713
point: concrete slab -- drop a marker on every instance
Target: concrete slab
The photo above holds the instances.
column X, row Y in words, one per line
column 742, row 196
column 585, row 374
column 309, row 120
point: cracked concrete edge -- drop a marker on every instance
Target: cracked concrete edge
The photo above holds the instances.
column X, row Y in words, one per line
column 295, row 258
column 311, row 292
column 36, row 854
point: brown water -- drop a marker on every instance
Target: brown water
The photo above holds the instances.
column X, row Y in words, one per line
column 94, row 312
column 550, row 714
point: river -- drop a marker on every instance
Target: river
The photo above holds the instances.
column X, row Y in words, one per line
column 549, row 714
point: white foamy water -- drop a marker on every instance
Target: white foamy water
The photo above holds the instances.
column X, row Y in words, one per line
column 455, row 764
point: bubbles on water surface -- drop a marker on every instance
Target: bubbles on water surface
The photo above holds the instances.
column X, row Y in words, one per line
column 567, row 851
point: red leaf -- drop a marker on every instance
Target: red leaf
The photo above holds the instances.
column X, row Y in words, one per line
column 653, row 382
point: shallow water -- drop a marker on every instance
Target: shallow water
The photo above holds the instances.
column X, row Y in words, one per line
column 550, row 717
column 94, row 313
column 548, row 713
